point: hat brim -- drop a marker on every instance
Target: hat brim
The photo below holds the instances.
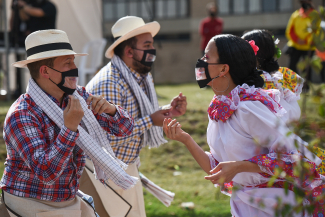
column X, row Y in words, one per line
column 23, row 63
column 152, row 28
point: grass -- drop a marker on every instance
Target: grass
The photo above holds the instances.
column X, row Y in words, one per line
column 158, row 164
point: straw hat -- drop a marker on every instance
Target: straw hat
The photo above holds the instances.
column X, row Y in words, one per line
column 46, row 44
column 128, row 27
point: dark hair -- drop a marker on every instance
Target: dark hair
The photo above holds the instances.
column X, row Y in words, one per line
column 119, row 49
column 265, row 55
column 35, row 66
column 240, row 56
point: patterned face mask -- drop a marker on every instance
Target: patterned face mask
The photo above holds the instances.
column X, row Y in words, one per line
column 70, row 73
column 202, row 73
column 149, row 56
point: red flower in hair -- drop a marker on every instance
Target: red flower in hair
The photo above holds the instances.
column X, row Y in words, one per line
column 255, row 48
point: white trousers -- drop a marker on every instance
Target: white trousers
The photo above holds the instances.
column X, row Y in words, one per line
column 28, row 207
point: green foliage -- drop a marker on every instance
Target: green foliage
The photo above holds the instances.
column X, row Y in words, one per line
column 311, row 127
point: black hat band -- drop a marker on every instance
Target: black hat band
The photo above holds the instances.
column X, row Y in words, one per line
column 48, row 47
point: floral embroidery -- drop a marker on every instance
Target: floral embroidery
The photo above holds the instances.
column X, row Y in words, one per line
column 286, row 81
column 222, row 107
column 321, row 154
column 313, row 184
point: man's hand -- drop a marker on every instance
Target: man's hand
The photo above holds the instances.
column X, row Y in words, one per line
column 73, row 114
column 99, row 105
column 179, row 105
column 159, row 116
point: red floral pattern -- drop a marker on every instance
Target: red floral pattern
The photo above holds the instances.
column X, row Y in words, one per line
column 313, row 183
column 273, row 163
column 222, row 109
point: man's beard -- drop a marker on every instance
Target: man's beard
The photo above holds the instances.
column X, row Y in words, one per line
column 139, row 67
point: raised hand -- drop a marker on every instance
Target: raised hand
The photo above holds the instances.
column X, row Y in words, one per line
column 100, row 105
column 173, row 130
column 179, row 105
column 73, row 114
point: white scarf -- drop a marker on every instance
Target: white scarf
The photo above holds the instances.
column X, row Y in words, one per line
column 95, row 144
column 154, row 137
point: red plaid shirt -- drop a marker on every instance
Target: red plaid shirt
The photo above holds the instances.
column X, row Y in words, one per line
column 43, row 161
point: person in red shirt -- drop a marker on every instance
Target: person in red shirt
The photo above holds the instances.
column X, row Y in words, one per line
column 210, row 26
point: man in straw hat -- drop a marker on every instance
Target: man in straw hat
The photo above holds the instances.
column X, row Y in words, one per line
column 49, row 130
column 126, row 81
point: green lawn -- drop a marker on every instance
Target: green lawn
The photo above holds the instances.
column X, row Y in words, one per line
column 158, row 164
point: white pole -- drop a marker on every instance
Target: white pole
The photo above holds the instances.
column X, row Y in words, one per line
column 6, row 36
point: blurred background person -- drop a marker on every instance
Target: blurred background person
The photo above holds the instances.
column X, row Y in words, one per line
column 39, row 14
column 28, row 16
column 210, row 26
column 18, row 27
column 299, row 39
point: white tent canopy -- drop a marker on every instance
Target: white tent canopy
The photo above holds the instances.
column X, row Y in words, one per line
column 80, row 19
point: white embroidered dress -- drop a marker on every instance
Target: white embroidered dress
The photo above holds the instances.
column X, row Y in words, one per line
column 235, row 140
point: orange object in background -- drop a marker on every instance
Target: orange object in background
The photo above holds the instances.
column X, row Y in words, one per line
column 321, row 55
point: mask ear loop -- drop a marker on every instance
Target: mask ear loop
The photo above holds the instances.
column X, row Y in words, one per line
column 222, row 90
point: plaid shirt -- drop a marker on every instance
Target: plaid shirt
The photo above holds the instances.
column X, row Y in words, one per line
column 110, row 83
column 43, row 161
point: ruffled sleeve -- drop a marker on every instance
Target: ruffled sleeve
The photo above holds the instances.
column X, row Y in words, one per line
column 213, row 161
column 291, row 83
column 286, row 81
column 264, row 127
column 270, row 132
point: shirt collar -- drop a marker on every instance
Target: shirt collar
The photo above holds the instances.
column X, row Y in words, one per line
column 65, row 98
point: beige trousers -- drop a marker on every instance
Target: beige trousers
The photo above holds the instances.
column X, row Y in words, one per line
column 28, row 207
column 107, row 202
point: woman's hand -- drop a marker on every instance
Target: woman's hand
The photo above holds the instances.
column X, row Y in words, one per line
column 173, row 130
column 224, row 172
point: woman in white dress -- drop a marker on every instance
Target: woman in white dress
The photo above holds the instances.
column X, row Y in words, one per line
column 275, row 77
column 244, row 125
column 283, row 79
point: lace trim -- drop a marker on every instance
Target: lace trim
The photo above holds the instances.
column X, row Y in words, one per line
column 212, row 160
column 272, row 95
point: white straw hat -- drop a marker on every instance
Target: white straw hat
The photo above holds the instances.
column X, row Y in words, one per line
column 128, row 27
column 46, row 44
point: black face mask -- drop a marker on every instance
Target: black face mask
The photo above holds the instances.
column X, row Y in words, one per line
column 213, row 14
column 149, row 56
column 305, row 5
column 70, row 73
column 202, row 73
